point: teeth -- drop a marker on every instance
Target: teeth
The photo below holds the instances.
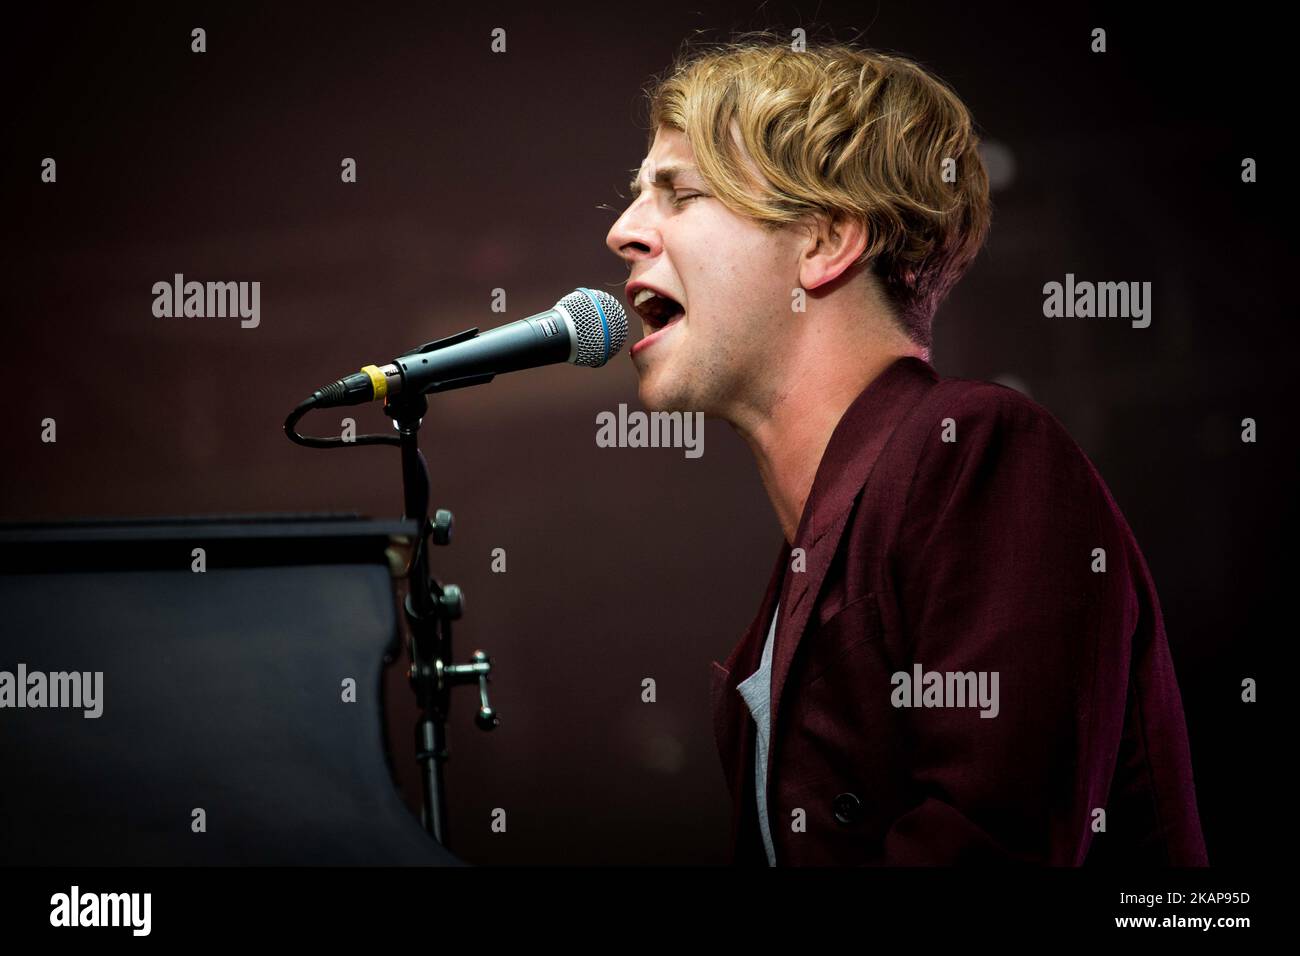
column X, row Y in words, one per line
column 642, row 296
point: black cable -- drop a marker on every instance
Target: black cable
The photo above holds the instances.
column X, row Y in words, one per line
column 311, row 441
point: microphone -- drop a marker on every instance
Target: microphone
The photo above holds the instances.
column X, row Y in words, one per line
column 586, row 327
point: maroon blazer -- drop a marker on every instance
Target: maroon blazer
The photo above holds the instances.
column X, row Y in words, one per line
column 968, row 555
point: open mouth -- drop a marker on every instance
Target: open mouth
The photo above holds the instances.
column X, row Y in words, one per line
column 659, row 311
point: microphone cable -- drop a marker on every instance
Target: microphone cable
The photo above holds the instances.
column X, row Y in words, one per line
column 313, row 441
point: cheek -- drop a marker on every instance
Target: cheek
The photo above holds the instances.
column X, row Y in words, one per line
column 731, row 268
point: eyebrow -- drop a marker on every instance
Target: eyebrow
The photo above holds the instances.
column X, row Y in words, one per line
column 664, row 176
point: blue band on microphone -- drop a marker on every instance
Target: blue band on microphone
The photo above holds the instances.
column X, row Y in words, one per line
column 604, row 322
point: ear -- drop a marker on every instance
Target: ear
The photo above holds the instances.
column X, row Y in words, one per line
column 834, row 244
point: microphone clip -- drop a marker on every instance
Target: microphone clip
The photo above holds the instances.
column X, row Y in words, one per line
column 442, row 343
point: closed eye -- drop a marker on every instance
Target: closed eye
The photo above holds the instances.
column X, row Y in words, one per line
column 678, row 200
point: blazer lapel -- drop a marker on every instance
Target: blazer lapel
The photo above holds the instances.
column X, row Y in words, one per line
column 846, row 464
column 851, row 454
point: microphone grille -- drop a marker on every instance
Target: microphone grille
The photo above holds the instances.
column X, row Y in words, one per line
column 601, row 324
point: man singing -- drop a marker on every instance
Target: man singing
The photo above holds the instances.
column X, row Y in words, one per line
column 960, row 657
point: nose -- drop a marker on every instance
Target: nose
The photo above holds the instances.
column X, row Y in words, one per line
column 633, row 236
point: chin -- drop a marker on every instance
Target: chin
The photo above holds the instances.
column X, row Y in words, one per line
column 649, row 397
column 655, row 397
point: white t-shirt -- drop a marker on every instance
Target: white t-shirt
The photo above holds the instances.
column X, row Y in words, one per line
column 757, row 691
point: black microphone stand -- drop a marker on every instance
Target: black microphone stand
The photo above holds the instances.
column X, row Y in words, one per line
column 430, row 608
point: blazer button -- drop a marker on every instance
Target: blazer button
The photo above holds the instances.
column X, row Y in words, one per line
column 847, row 808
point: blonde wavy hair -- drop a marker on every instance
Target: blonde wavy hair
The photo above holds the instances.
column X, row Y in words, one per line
column 838, row 131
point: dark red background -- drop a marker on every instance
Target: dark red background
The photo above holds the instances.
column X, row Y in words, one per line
column 479, row 171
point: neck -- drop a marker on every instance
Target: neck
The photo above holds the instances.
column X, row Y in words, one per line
column 789, row 431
